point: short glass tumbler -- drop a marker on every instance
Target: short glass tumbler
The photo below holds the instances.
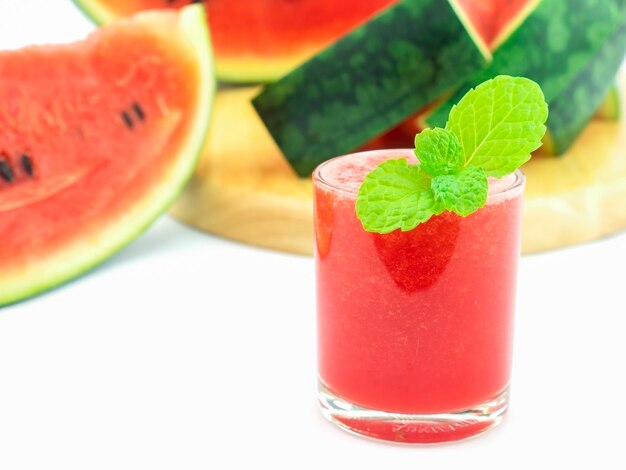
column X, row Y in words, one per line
column 415, row 329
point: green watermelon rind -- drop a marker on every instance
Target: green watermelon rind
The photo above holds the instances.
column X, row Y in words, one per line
column 74, row 261
column 586, row 92
column 95, row 11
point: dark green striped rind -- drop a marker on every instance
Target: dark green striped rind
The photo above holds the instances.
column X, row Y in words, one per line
column 572, row 109
column 367, row 82
column 572, row 49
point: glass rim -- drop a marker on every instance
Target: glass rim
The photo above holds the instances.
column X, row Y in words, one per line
column 517, row 181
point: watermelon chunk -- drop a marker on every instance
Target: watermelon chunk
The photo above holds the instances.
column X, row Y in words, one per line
column 582, row 47
column 95, row 148
column 370, row 80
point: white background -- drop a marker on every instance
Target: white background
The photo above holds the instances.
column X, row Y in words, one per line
column 185, row 351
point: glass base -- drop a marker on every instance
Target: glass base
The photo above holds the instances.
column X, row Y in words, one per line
column 413, row 428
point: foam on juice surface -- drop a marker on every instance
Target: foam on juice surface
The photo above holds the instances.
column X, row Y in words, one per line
column 345, row 174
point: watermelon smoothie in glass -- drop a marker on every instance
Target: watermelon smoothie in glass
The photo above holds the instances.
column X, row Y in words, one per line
column 415, row 328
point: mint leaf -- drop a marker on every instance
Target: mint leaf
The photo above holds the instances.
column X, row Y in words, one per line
column 396, row 195
column 499, row 123
column 439, row 151
column 491, row 132
column 462, row 193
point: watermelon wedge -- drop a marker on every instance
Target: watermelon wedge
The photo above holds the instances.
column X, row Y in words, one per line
column 258, row 40
column 581, row 46
column 370, row 80
column 96, row 147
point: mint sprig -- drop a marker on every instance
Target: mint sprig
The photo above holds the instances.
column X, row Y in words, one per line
column 389, row 190
column 490, row 132
column 463, row 192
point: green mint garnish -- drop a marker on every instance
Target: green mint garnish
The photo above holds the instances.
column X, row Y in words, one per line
column 490, row 132
column 439, row 151
column 500, row 123
column 387, row 192
column 463, row 192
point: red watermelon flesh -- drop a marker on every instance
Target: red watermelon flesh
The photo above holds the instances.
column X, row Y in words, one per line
column 481, row 15
column 508, row 15
column 259, row 40
column 495, row 20
column 97, row 138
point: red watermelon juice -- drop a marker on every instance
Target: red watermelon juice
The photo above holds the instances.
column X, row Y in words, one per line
column 415, row 328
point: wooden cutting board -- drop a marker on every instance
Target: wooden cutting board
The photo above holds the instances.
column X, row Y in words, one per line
column 244, row 190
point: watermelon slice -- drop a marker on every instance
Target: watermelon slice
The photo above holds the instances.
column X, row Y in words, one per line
column 370, row 80
column 262, row 40
column 582, row 46
column 93, row 149
column 259, row 40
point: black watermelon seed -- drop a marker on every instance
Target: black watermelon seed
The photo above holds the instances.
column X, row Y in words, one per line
column 6, row 172
column 139, row 112
column 127, row 120
column 27, row 165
